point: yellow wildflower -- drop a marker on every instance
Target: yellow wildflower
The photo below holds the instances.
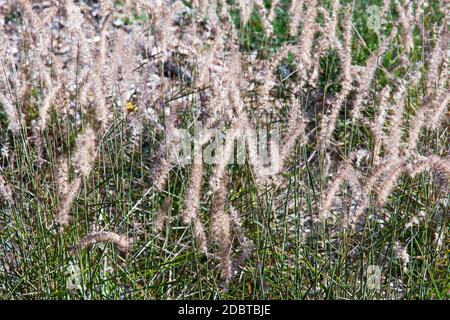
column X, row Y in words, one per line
column 130, row 106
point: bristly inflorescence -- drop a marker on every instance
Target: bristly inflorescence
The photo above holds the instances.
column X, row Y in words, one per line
column 189, row 67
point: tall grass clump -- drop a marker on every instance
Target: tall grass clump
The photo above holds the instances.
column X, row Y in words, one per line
column 224, row 149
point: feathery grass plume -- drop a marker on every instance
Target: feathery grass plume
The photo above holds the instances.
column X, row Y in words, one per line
column 404, row 11
column 122, row 242
column 416, row 127
column 164, row 13
column 434, row 104
column 103, row 36
column 5, row 191
column 440, row 103
column 38, row 141
column 234, row 68
column 124, row 61
column 83, row 160
column 391, row 168
column 419, row 23
column 345, row 173
column 200, row 235
column 75, row 20
column 328, row 123
column 46, row 105
column 192, row 203
column 386, row 174
column 43, row 42
column 401, row 253
column 386, row 165
column 86, row 152
column 439, row 54
column 241, row 122
column 395, row 128
column 104, row 114
column 262, row 12
column 368, row 75
column 267, row 78
column 384, row 10
column 95, row 62
column 273, row 11
column 246, row 244
column 205, row 64
column 35, row 21
column 331, row 21
column 221, row 230
column 246, row 7
column 295, row 132
column 201, row 5
column 223, row 155
column 62, row 176
column 303, row 55
column 42, row 38
column 389, row 182
column 161, row 215
column 165, row 155
column 295, row 15
column 11, row 114
column 381, row 114
column 106, row 7
column 419, row 9
column 160, row 170
column 439, row 164
column 328, row 39
column 37, row 26
column 224, row 10
column 395, row 132
column 345, row 51
column 376, row 126
column 63, row 215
